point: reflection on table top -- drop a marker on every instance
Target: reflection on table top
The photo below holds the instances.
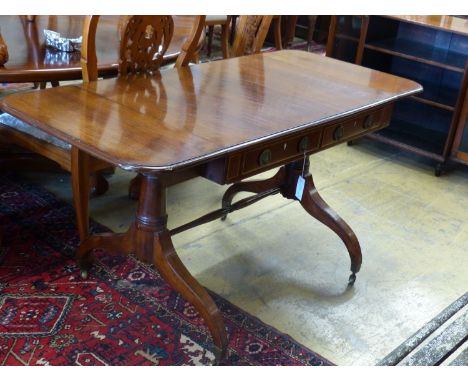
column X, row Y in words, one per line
column 185, row 116
column 31, row 61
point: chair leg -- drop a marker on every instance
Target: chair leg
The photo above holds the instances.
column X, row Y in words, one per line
column 225, row 39
column 331, row 36
column 210, row 40
column 233, row 29
column 291, row 30
column 310, row 31
column 98, row 184
column 277, row 31
column 80, row 185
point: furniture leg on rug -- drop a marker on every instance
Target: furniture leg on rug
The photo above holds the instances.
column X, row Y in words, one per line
column 225, row 142
column 150, row 240
column 155, row 326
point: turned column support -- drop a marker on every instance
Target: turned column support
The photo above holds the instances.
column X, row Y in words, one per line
column 150, row 240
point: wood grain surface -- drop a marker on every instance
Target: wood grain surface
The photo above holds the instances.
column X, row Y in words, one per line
column 180, row 117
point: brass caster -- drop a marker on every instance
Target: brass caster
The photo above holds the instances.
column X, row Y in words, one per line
column 225, row 206
column 352, row 279
column 219, row 354
column 84, row 274
column 439, row 169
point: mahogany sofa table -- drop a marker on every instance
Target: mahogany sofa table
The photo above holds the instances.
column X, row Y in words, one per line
column 225, row 121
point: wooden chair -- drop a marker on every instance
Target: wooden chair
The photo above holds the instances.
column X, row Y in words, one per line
column 223, row 21
column 56, row 152
column 247, row 27
column 3, row 50
column 153, row 34
column 250, row 35
column 291, row 23
column 276, row 25
column 46, row 152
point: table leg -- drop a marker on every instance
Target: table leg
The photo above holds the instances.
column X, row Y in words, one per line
column 84, row 184
column 286, row 180
column 313, row 203
column 254, row 186
column 98, row 184
column 116, row 243
column 80, row 187
column 134, row 187
column 225, row 38
column 150, row 240
column 176, row 274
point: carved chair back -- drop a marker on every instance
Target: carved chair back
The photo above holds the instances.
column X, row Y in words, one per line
column 144, row 41
column 3, row 50
column 250, row 35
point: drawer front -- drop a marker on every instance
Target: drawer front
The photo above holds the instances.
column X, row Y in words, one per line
column 262, row 157
column 357, row 126
column 276, row 153
column 265, row 156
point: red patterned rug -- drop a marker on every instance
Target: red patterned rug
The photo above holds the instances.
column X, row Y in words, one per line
column 123, row 314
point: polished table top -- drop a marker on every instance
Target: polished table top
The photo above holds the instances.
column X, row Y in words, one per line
column 30, row 61
column 181, row 117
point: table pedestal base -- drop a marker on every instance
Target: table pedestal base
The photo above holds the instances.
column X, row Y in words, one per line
column 286, row 181
column 150, row 240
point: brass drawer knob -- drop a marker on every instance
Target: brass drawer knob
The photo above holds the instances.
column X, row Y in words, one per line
column 265, row 157
column 369, row 122
column 338, row 133
column 304, row 144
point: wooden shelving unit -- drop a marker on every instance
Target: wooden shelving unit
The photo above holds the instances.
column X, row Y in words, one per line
column 432, row 50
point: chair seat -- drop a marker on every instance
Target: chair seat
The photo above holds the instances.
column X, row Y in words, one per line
column 14, row 123
column 216, row 20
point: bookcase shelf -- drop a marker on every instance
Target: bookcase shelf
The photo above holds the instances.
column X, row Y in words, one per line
column 430, row 50
column 420, row 52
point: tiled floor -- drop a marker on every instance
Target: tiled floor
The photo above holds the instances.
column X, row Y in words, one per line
column 282, row 266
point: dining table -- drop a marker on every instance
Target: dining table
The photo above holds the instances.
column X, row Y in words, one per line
column 224, row 121
column 31, row 60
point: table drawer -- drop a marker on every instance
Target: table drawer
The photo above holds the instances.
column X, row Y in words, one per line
column 265, row 156
column 357, row 126
column 281, row 151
